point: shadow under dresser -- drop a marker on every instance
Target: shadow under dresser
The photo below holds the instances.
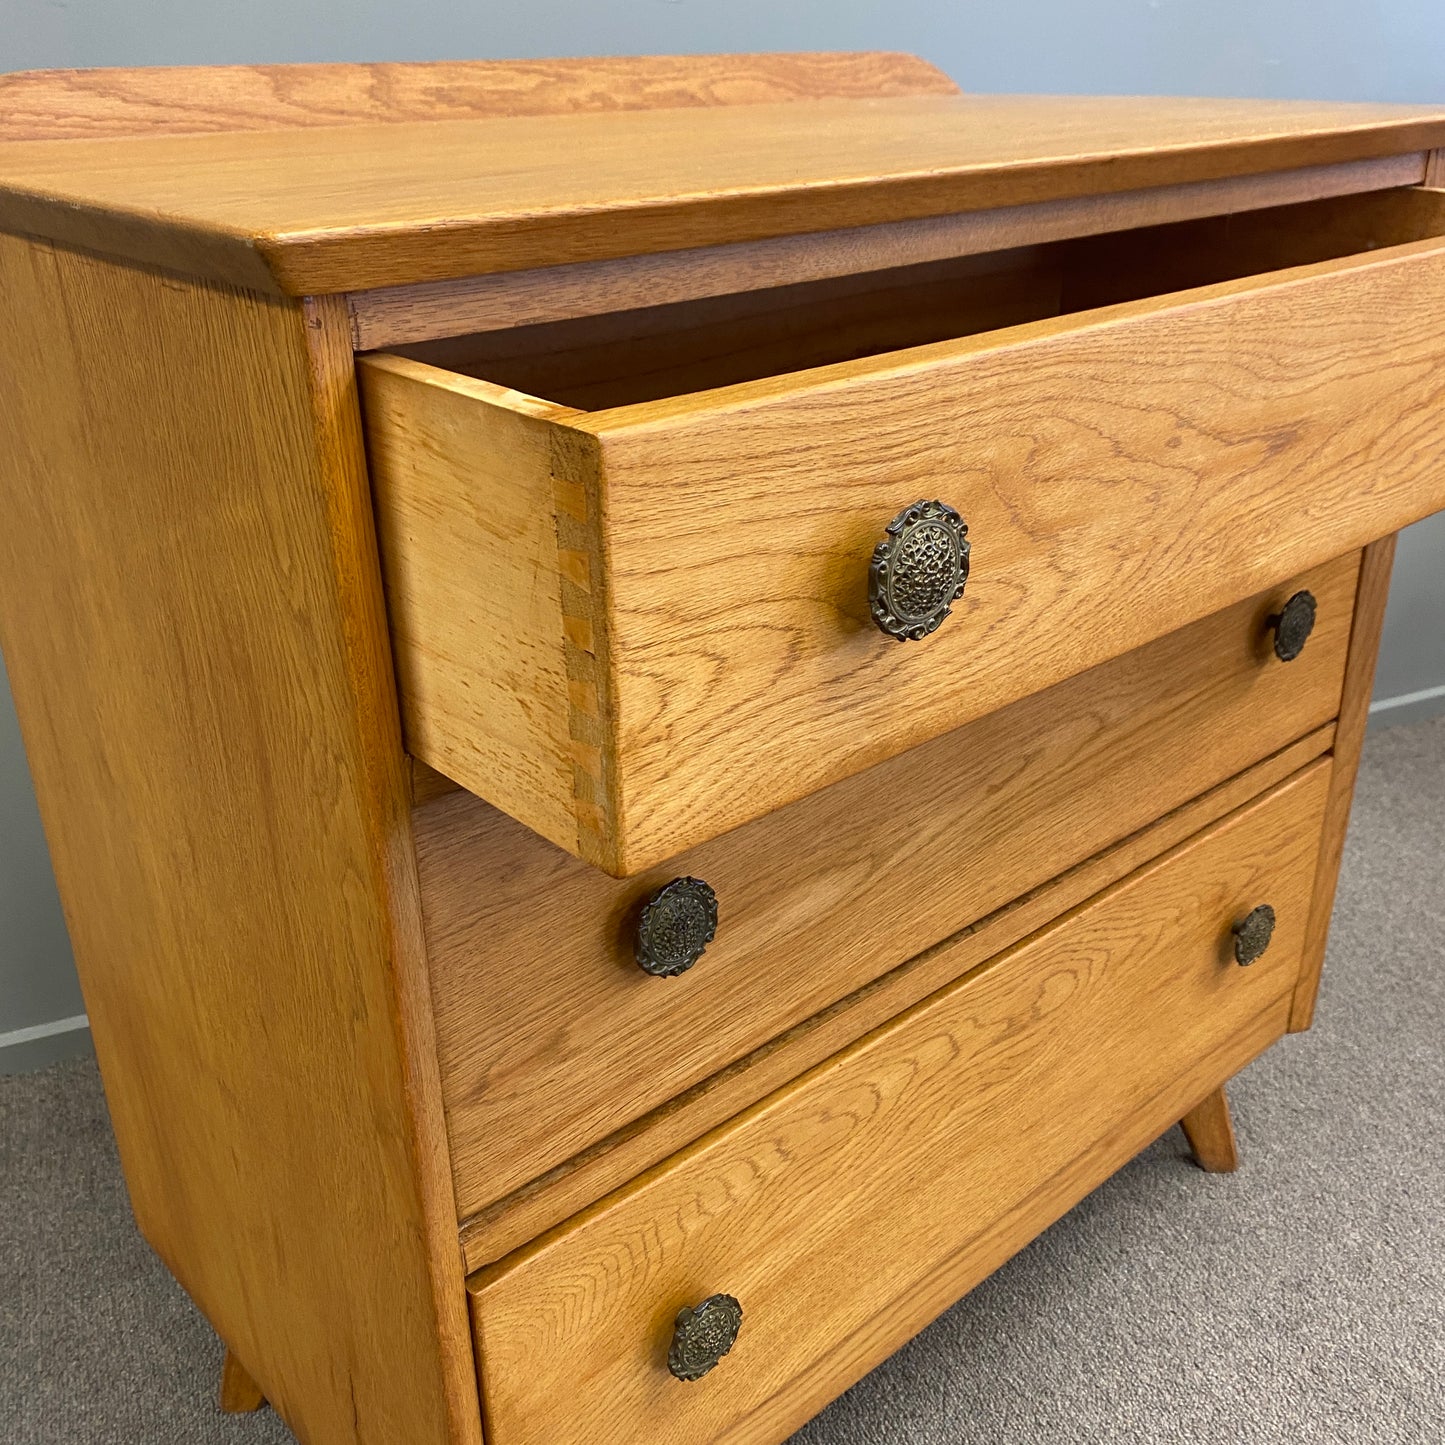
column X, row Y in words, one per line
column 676, row 699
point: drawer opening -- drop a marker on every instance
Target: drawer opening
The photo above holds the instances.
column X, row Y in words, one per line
column 623, row 358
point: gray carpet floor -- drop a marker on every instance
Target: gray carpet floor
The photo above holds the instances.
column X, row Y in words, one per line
column 1301, row 1300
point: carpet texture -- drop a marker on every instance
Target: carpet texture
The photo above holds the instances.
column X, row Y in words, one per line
column 1301, row 1300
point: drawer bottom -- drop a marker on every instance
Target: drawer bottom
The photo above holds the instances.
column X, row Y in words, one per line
column 853, row 1206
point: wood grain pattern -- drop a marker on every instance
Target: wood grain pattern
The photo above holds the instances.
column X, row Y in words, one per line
column 385, row 775
column 1435, row 168
column 883, row 1167
column 1210, row 1132
column 541, row 1009
column 395, row 316
column 661, row 351
column 562, row 1192
column 1111, row 498
column 239, row 1393
column 329, row 209
column 1370, row 602
column 598, row 362
column 171, row 100
column 1104, row 491
column 192, row 624
column 897, row 1321
column 502, row 663
column 504, row 621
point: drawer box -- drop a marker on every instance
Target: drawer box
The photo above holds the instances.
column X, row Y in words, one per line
column 544, row 1019
column 636, row 627
column 851, row 1207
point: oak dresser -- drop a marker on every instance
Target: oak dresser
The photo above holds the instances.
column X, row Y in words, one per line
column 676, row 699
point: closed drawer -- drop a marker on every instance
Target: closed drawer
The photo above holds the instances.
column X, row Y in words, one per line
column 551, row 1037
column 636, row 627
column 847, row 1210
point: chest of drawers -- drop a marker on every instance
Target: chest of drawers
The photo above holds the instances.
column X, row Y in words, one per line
column 677, row 699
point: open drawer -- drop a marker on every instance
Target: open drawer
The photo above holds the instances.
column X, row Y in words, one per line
column 646, row 609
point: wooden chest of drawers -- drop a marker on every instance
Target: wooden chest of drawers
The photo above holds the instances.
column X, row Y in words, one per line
column 676, row 699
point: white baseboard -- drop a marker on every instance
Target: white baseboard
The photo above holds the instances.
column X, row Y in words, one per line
column 1408, row 707
column 22, row 1050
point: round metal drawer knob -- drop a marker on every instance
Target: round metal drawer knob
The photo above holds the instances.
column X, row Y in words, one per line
column 918, row 570
column 702, row 1335
column 676, row 924
column 1293, row 624
column 1252, row 934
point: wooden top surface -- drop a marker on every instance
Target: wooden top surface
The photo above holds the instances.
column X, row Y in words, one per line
column 338, row 208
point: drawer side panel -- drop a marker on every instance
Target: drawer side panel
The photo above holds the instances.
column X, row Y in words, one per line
column 466, row 493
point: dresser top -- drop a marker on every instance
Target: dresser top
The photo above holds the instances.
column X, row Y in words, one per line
column 307, row 208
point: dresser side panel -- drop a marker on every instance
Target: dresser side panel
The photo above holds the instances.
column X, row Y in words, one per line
column 191, row 621
column 1369, row 621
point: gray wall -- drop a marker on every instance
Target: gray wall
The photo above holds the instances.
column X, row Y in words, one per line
column 39, row 995
column 1325, row 49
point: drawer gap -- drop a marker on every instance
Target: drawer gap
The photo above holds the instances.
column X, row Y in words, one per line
column 623, row 358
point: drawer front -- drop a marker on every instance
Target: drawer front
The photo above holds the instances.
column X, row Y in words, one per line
column 1122, row 472
column 850, row 1208
column 551, row 1037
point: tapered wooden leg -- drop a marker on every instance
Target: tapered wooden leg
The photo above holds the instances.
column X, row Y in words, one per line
column 1210, row 1132
column 239, row 1392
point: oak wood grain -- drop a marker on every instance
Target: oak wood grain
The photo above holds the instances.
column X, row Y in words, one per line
column 1210, row 1132
column 352, row 207
column 658, row 351
column 895, row 1324
column 171, row 100
column 1435, row 168
column 1112, row 497
column 883, row 1166
column 1105, row 491
column 502, row 623
column 1369, row 621
column 542, row 1012
column 598, row 362
column 394, row 316
column 530, row 1211
column 192, row 623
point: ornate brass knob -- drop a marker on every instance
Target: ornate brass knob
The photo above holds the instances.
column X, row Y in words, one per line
column 918, row 570
column 676, row 924
column 702, row 1335
column 1252, row 934
column 1293, row 624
